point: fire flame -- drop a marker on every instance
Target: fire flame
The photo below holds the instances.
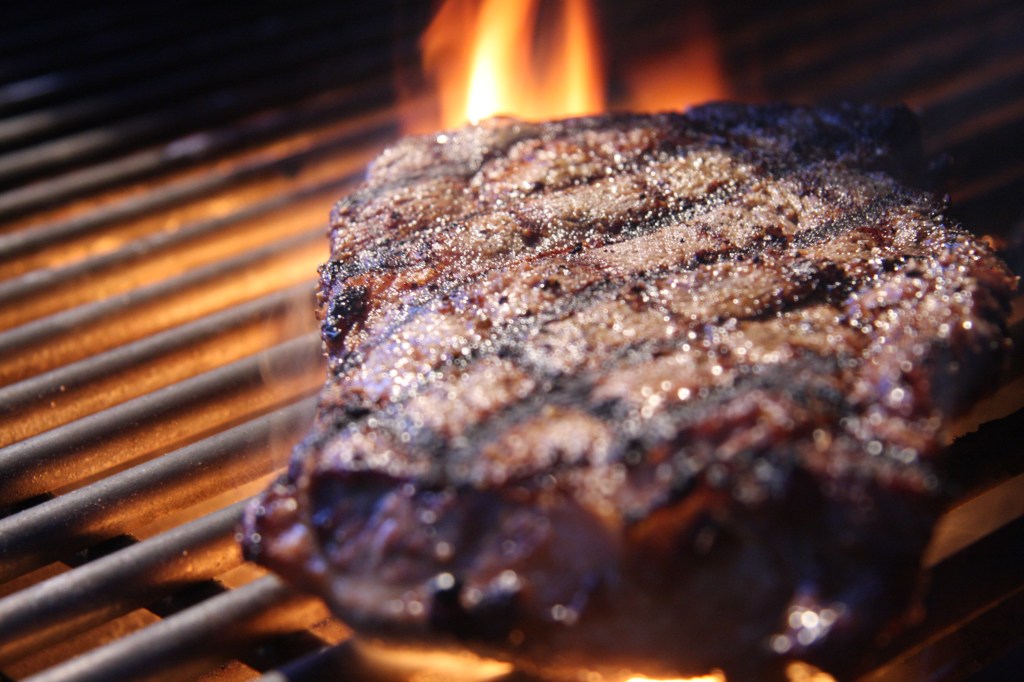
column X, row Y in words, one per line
column 540, row 60
column 712, row 677
column 795, row 672
column 485, row 62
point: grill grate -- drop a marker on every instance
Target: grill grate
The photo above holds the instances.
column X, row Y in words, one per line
column 165, row 173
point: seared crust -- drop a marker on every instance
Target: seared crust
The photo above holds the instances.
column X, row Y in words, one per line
column 632, row 391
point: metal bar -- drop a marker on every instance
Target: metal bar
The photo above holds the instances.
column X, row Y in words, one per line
column 930, row 66
column 925, row 52
column 127, row 500
column 80, row 449
column 961, row 87
column 995, row 205
column 987, row 188
column 29, row 348
column 182, row 49
column 54, row 398
column 113, row 585
column 973, row 603
column 959, row 119
column 992, row 153
column 871, row 33
column 320, row 64
column 356, row 141
column 190, row 148
column 75, row 277
column 976, row 518
column 341, row 663
column 140, row 351
column 1001, row 119
column 771, row 28
column 353, row 660
column 197, row 638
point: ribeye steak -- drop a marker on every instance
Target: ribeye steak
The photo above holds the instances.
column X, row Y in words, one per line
column 653, row 392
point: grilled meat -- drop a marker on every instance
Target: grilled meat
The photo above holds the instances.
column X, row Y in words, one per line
column 660, row 393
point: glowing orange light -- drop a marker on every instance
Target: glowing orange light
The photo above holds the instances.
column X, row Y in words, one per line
column 713, row 677
column 795, row 672
column 486, row 61
column 687, row 71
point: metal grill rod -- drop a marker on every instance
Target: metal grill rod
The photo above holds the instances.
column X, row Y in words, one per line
column 237, row 87
column 61, row 456
column 340, row 663
column 27, row 349
column 873, row 38
column 191, row 148
column 129, row 499
column 16, row 399
column 160, row 68
column 202, row 635
column 921, row 59
column 23, row 165
column 959, row 604
column 119, row 582
column 960, row 89
column 774, row 29
column 71, row 276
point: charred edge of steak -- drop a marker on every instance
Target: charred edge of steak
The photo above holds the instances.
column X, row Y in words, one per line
column 651, row 392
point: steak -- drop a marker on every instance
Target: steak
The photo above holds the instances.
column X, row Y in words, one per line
column 660, row 393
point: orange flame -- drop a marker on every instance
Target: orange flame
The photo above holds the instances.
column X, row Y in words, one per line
column 711, row 677
column 484, row 59
column 795, row 672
